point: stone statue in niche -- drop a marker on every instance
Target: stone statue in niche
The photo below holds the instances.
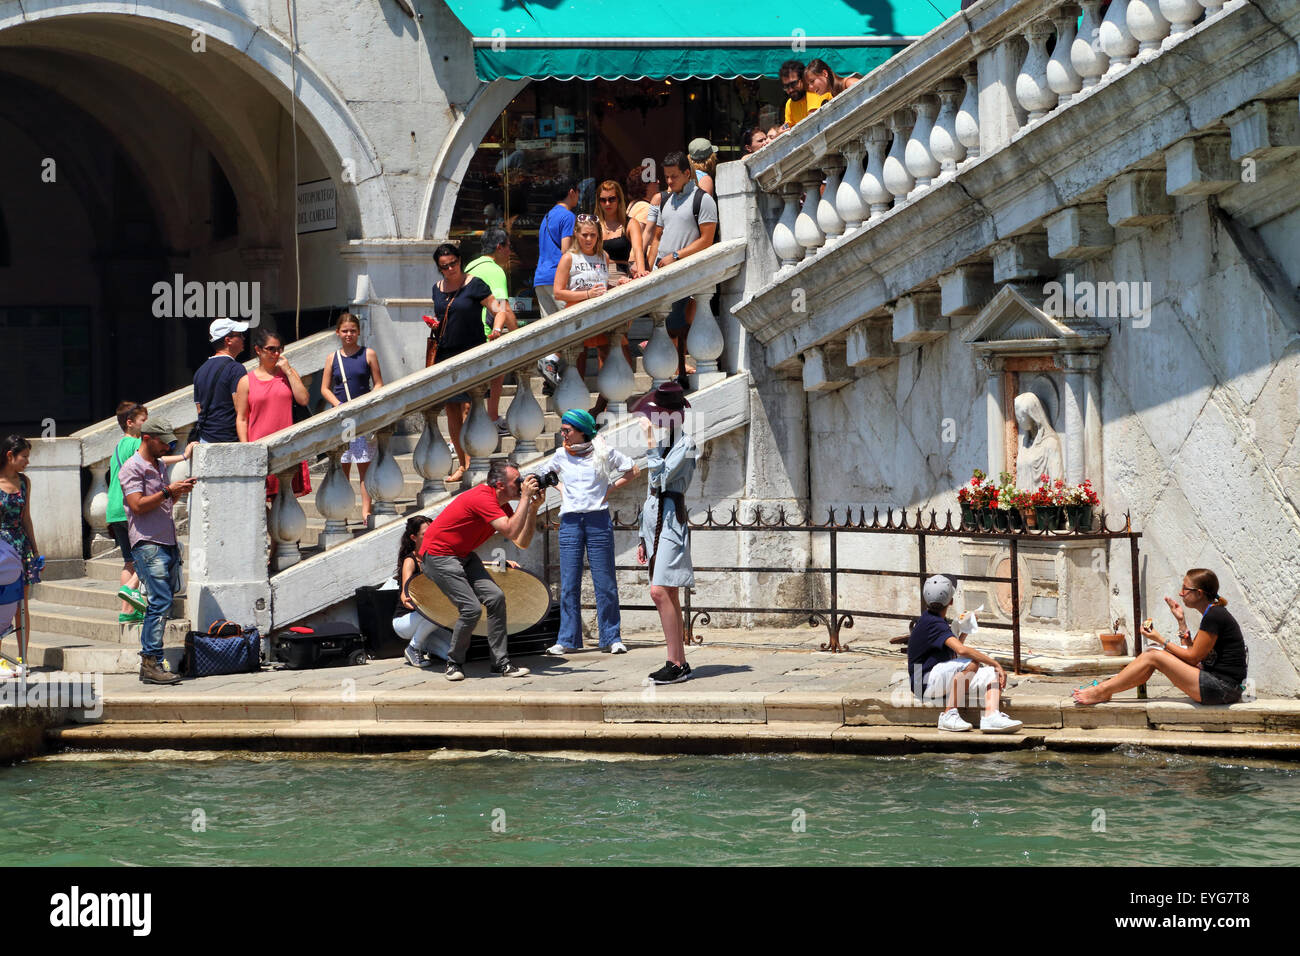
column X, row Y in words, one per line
column 1038, row 451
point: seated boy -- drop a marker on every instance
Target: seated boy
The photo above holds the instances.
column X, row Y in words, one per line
column 937, row 660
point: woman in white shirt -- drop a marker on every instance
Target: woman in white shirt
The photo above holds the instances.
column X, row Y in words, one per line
column 588, row 470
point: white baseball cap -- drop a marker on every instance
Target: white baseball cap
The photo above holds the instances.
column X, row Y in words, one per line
column 939, row 589
column 219, row 329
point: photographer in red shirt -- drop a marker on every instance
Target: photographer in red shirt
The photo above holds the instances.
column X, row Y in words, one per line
column 447, row 558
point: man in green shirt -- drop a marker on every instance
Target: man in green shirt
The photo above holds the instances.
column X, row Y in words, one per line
column 491, row 268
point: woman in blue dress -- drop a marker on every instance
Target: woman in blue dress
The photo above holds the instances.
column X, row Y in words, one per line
column 16, row 517
column 665, row 529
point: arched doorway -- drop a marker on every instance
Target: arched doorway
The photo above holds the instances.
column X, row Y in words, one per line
column 149, row 145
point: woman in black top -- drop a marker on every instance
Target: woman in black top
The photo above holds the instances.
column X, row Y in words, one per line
column 1210, row 669
column 458, row 301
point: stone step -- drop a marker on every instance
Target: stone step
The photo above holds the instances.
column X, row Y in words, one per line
column 97, row 624
column 89, row 592
column 73, row 654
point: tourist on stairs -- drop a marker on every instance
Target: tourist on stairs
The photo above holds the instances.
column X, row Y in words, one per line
column 940, row 661
column 1210, row 668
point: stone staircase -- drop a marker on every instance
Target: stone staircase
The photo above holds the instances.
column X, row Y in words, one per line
column 74, row 624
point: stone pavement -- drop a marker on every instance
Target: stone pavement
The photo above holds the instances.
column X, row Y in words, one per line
column 751, row 690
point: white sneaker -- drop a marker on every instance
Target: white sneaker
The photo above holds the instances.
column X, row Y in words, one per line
column 616, row 648
column 557, row 650
column 999, row 723
column 951, row 720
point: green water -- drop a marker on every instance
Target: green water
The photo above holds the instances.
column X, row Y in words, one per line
column 1036, row 809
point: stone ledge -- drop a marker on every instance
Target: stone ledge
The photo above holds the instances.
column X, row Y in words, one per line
column 804, row 708
column 658, row 706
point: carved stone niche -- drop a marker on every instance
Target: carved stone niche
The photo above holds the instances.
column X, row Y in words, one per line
column 1064, row 584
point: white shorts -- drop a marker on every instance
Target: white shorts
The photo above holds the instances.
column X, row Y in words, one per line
column 939, row 682
column 360, row 451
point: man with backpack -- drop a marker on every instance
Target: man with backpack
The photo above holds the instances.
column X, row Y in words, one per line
column 216, row 381
column 684, row 224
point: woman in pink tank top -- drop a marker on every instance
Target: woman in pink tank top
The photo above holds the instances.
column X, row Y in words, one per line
column 265, row 396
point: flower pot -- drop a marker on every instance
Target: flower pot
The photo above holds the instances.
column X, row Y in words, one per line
column 1015, row 520
column 1001, row 519
column 1113, row 645
column 969, row 520
column 1079, row 517
column 1049, row 517
column 986, row 516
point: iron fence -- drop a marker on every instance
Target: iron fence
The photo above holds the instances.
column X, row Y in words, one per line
column 831, row 615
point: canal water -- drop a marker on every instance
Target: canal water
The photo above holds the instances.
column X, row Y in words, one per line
column 1128, row 807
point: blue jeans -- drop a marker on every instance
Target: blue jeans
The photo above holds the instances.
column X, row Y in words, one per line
column 159, row 567
column 592, row 532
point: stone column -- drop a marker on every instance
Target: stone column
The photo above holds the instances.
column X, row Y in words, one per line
column 1086, row 55
column 1062, row 77
column 806, row 230
column 784, row 243
column 994, row 413
column 872, row 185
column 898, row 180
column 967, row 122
column 919, row 160
column 432, row 458
column 524, row 417
column 287, row 522
column 1000, row 115
column 55, row 474
column 828, row 218
column 227, row 554
column 616, row 381
column 660, row 356
column 1082, row 402
column 1032, row 89
column 704, row 342
column 94, row 508
column 944, row 144
column 479, row 437
column 848, row 201
column 335, row 500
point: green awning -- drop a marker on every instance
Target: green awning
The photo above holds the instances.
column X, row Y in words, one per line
column 613, row 39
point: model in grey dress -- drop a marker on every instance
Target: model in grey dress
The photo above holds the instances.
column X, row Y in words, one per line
column 670, row 471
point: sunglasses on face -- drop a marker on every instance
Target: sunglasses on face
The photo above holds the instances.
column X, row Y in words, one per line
column 444, row 266
column 273, row 349
column 609, row 199
column 586, row 217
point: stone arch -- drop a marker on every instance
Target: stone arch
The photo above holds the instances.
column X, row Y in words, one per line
column 449, row 168
column 336, row 134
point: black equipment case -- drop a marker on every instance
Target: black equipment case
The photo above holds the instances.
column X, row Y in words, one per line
column 305, row 647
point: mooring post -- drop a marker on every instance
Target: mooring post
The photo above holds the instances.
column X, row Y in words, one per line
column 1138, row 640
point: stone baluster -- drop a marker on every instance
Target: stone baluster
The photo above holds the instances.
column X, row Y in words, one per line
column 524, row 417
column 1062, row 77
column 967, row 122
column 848, row 201
column 431, row 459
column 1086, row 54
column 806, row 230
column 94, row 508
column 616, row 380
column 572, row 391
column 1116, row 38
column 945, row 147
column 705, row 343
column 335, row 500
column 784, row 244
column 660, row 356
column 179, row 472
column 919, row 160
column 1181, row 14
column 1212, row 7
column 287, row 522
column 1031, row 85
column 896, row 177
column 383, row 481
column 1148, row 26
column 479, row 436
column 828, row 217
column 872, row 186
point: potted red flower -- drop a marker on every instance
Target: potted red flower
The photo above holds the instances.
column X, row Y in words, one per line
column 1079, row 503
column 1048, row 500
column 972, row 498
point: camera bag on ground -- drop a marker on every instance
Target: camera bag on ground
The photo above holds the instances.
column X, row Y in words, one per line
column 330, row 643
column 226, row 648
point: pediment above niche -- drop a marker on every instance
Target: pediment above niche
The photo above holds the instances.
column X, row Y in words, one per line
column 1014, row 322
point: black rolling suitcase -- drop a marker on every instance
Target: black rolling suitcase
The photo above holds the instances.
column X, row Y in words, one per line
column 301, row 647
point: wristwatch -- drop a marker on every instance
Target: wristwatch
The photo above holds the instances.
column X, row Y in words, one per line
column 167, row 493
column 677, row 257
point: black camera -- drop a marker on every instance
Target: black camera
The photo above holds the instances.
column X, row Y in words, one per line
column 546, row 479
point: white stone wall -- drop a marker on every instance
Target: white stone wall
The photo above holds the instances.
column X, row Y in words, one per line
column 1201, row 435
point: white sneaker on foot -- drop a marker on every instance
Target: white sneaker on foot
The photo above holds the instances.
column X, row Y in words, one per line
column 951, row 720
column 556, row 650
column 999, row 723
column 616, row 648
